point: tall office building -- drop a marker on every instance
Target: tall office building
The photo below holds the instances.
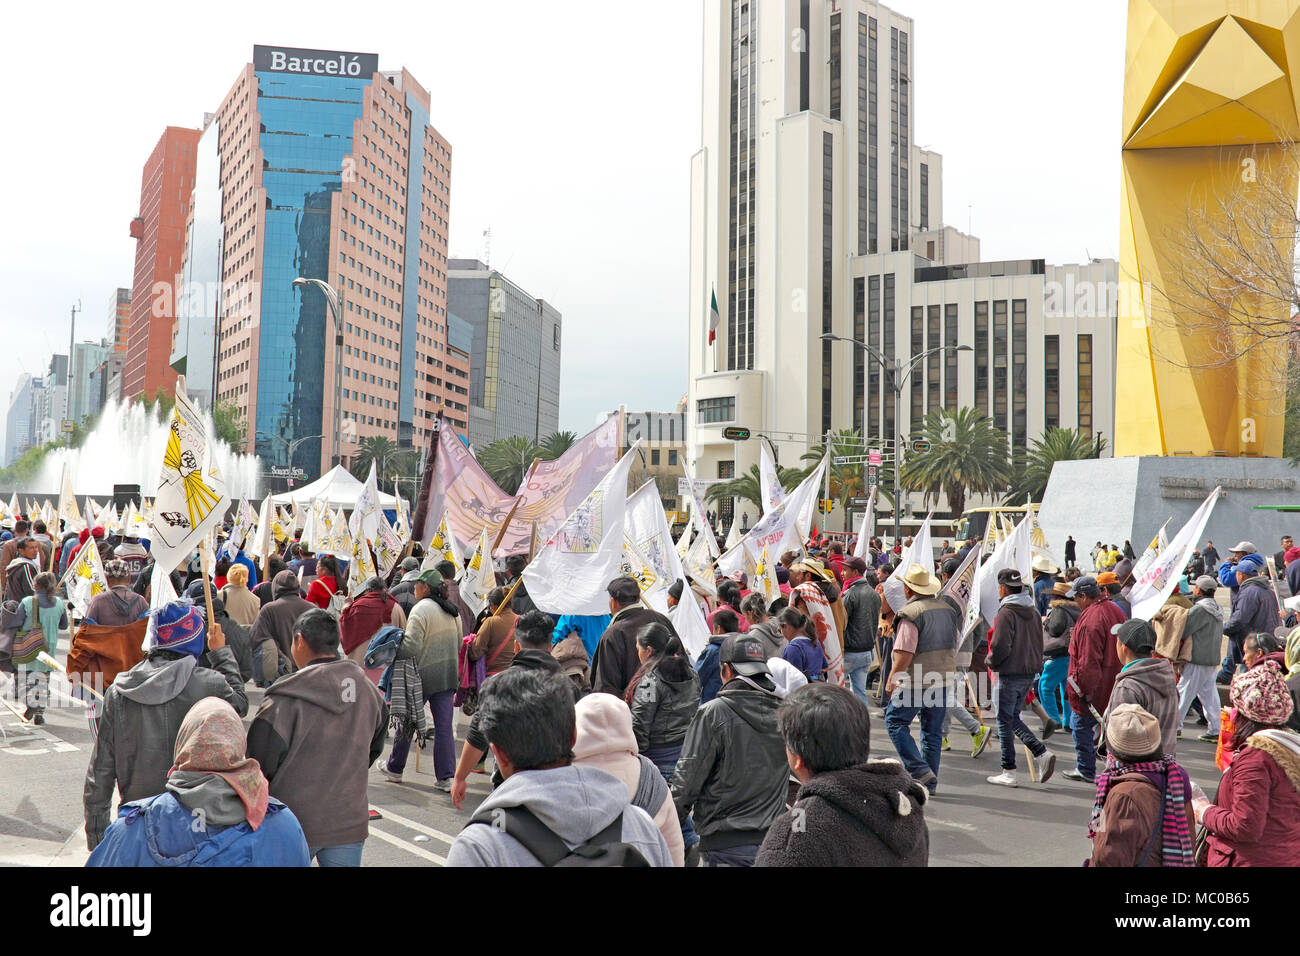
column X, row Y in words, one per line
column 84, row 397
column 807, row 160
column 317, row 165
column 119, row 319
column 813, row 211
column 18, row 421
column 515, row 362
column 159, row 232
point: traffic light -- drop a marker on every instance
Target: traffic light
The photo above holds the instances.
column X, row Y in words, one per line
column 824, row 505
column 736, row 434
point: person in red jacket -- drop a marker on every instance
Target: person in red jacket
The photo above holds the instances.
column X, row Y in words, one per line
column 1094, row 663
column 326, row 583
column 1255, row 818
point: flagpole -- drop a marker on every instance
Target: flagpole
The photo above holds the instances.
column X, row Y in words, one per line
column 426, row 480
column 515, row 507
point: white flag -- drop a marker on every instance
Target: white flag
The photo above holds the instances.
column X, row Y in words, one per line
column 698, row 564
column 647, row 527
column 479, row 579
column 1013, row 551
column 85, row 577
column 240, row 529
column 764, row 580
column 388, row 546
column 571, row 573
column 690, row 624
column 365, row 515
column 258, row 545
column 772, row 491
column 360, row 566
column 1158, row 544
column 443, row 546
column 191, row 492
column 698, row 514
column 1158, row 581
column 920, row 551
column 654, row 591
column 868, row 528
column 780, row 530
column 68, row 509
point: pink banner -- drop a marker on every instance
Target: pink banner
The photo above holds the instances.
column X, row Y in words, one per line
column 472, row 500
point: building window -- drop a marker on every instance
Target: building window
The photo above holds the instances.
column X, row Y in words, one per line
column 555, row 337
column 950, row 357
column 828, row 235
column 1085, row 384
column 925, row 198
column 835, row 66
column 710, row 411
column 873, row 375
column 672, row 457
column 934, row 361
column 1019, row 376
column 859, row 366
column 868, row 146
column 1052, row 381
column 1000, row 364
column 654, row 456
column 723, row 506
column 918, row 381
column 982, row 357
column 890, row 410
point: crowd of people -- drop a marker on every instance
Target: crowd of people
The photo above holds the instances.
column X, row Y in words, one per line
column 611, row 744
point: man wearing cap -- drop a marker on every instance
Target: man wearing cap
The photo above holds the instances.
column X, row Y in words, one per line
column 1113, row 585
column 1202, row 641
column 1094, row 664
column 923, row 667
column 1254, row 612
column 1279, row 558
column 733, row 773
column 403, row 592
column 1016, row 656
column 1145, row 680
column 862, row 616
column 143, row 709
column 1227, row 573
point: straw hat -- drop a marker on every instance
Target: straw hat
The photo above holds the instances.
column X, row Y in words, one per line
column 919, row 580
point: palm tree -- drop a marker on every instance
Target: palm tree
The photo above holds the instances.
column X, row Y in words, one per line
column 556, row 444
column 507, row 461
column 849, row 481
column 968, row 453
column 1034, row 466
column 746, row 487
column 374, row 448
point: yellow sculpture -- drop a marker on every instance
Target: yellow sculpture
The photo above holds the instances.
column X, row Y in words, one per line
column 1209, row 105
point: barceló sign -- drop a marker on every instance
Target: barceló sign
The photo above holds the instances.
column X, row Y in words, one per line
column 284, row 59
column 735, row 434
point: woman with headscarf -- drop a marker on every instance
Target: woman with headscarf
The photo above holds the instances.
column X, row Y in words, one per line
column 1255, row 817
column 241, row 604
column 1143, row 812
column 216, row 809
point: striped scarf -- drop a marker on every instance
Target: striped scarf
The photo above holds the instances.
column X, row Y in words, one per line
column 1176, row 835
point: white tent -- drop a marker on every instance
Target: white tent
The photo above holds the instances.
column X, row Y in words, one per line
column 337, row 487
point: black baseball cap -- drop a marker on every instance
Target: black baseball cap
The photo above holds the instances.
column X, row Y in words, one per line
column 1010, row 578
column 1086, row 585
column 1136, row 634
column 744, row 654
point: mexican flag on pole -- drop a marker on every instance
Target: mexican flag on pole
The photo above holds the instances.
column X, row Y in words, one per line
column 714, row 318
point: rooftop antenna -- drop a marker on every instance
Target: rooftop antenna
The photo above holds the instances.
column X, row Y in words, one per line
column 487, row 247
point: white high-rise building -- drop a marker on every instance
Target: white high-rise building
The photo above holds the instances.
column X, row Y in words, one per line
column 813, row 210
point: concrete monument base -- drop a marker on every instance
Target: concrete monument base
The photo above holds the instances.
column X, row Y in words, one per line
column 1114, row 500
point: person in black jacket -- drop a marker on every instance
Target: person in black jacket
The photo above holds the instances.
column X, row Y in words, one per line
column 615, row 659
column 1016, row 655
column 850, row 811
column 862, row 614
column 1058, row 626
column 733, row 770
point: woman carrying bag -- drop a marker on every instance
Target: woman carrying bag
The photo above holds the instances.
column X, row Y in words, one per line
column 40, row 617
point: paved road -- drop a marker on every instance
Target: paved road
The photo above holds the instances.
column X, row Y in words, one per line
column 972, row 823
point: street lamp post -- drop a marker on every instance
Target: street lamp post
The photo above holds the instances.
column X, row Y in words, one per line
column 896, row 384
column 334, row 299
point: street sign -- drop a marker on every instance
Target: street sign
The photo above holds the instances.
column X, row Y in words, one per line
column 873, row 456
column 67, row 424
column 701, row 486
column 859, row 502
column 735, row 434
column 921, row 446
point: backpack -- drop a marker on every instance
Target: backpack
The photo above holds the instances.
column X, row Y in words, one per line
column 603, row 849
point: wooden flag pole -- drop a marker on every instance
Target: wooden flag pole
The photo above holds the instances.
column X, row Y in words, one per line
column 515, row 507
column 207, row 585
column 509, row 594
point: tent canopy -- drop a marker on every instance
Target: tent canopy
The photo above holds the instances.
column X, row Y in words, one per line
column 337, row 486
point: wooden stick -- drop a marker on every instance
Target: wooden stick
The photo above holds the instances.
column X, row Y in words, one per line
column 207, row 587
column 515, row 507
column 509, row 594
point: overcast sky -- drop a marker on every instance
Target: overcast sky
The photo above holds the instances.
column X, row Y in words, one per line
column 572, row 125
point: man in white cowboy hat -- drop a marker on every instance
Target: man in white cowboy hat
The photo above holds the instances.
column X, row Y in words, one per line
column 1044, row 578
column 924, row 663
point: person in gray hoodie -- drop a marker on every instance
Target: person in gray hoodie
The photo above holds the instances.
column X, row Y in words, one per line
column 315, row 736
column 530, row 722
column 1145, row 680
column 271, row 637
column 1202, row 641
column 144, row 707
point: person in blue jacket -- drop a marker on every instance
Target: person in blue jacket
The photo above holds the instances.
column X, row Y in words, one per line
column 588, row 627
column 216, row 810
column 725, row 623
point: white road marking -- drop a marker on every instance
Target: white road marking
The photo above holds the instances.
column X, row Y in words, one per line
column 417, row 827
column 951, row 823
column 398, row 842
